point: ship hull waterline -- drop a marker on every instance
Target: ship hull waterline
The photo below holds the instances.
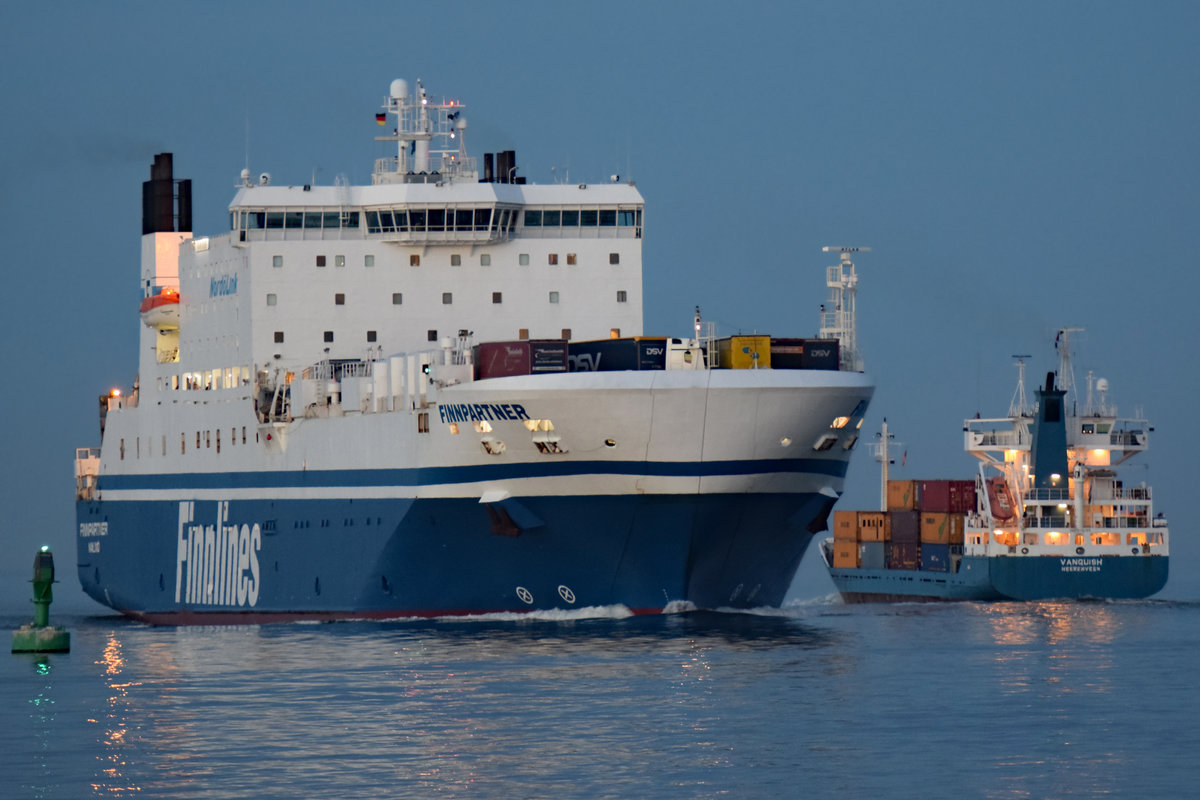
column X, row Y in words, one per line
column 394, row 558
column 1010, row 578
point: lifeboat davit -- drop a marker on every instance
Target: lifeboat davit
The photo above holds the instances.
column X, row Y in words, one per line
column 1001, row 500
column 161, row 311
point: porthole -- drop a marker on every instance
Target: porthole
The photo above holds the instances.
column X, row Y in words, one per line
column 610, row 443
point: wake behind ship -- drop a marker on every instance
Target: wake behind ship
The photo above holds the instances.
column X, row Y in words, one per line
column 433, row 395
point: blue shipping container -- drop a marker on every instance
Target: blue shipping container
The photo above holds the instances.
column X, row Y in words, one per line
column 608, row 355
column 935, row 557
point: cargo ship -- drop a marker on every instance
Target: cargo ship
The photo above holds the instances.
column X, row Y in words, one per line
column 1045, row 517
column 433, row 395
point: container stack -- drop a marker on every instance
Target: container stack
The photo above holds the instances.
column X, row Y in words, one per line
column 921, row 530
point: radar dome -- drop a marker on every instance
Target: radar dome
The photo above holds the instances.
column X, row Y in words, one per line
column 1101, row 384
column 399, row 89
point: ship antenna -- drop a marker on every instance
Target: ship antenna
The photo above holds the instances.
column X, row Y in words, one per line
column 881, row 449
column 1066, row 375
column 1019, row 407
column 840, row 322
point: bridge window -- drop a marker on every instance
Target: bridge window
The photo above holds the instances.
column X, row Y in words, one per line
column 608, row 217
column 533, row 219
column 551, row 219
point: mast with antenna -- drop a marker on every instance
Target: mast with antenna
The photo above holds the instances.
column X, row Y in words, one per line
column 838, row 318
column 1019, row 407
column 880, row 450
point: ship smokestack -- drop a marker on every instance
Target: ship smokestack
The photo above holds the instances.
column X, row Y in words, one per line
column 160, row 201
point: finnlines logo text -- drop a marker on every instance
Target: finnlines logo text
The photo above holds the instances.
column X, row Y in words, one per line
column 224, row 285
column 1080, row 564
column 216, row 564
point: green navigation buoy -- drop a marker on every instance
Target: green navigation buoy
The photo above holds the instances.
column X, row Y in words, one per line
column 40, row 636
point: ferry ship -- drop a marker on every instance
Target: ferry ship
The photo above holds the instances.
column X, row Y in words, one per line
column 432, row 395
column 1046, row 517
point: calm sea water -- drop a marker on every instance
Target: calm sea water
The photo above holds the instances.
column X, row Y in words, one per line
column 1038, row 700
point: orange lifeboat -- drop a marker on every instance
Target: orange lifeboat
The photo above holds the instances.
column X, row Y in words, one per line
column 161, row 311
column 1001, row 500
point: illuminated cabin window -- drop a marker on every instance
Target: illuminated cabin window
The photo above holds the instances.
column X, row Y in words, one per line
column 523, row 333
column 572, row 259
column 454, row 428
column 482, row 426
column 826, row 442
column 839, row 423
column 414, row 260
column 566, row 333
column 552, row 259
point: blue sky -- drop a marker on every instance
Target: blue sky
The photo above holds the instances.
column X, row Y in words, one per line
column 1014, row 167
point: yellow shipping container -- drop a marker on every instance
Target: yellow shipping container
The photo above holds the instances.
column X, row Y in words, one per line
column 874, row 526
column 941, row 528
column 845, row 554
column 902, row 495
column 845, row 526
column 737, row 352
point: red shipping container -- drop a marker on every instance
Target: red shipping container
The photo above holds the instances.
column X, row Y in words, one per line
column 521, row 357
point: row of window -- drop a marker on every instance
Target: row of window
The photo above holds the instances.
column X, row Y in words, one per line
column 583, row 218
column 208, row 439
column 226, row 378
column 339, row 298
column 414, row 260
column 298, row 220
column 436, row 220
column 432, row 335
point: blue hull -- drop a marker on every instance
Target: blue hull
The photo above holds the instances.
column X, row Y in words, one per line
column 1009, row 578
column 206, row 561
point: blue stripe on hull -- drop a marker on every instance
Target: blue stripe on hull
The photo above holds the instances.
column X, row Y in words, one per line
column 433, row 476
column 1009, row 578
column 378, row 558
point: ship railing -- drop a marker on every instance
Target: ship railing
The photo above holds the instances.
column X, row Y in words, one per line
column 1048, row 494
column 996, row 433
